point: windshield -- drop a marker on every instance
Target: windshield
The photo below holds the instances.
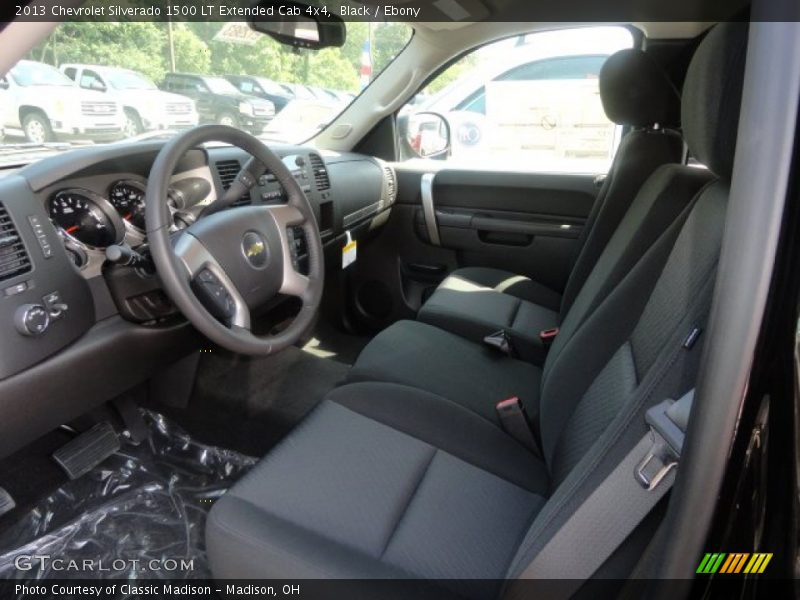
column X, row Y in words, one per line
column 218, row 85
column 30, row 73
column 195, row 64
column 128, row 80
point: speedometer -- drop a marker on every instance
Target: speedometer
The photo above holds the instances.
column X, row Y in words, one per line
column 127, row 197
column 84, row 216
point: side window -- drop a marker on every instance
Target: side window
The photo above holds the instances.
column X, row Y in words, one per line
column 529, row 103
column 576, row 67
column 91, row 81
column 71, row 72
column 246, row 86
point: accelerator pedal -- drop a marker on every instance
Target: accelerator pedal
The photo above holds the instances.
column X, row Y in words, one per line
column 80, row 455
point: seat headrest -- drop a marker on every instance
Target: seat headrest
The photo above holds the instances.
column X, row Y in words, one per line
column 712, row 95
column 635, row 91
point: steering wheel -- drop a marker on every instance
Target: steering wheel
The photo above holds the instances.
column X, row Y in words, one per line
column 231, row 262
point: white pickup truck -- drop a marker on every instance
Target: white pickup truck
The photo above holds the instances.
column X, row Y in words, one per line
column 41, row 103
column 146, row 107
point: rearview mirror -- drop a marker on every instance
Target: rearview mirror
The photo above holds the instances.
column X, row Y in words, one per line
column 424, row 135
column 301, row 25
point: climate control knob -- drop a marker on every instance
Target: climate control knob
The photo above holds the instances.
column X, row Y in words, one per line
column 31, row 319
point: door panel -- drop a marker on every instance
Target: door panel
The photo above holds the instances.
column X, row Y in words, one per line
column 527, row 223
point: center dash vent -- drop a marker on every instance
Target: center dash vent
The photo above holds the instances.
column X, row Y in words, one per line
column 228, row 170
column 14, row 259
column 320, row 173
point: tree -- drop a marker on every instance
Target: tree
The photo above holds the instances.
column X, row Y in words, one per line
column 389, row 39
column 192, row 54
column 329, row 69
column 122, row 44
column 143, row 47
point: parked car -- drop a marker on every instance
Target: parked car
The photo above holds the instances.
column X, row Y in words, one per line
column 146, row 107
column 341, row 96
column 44, row 105
column 559, row 94
column 218, row 101
column 263, row 88
column 299, row 91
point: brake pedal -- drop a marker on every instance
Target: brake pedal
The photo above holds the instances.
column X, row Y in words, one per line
column 7, row 503
column 79, row 456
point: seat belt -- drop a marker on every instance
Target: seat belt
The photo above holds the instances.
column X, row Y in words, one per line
column 618, row 505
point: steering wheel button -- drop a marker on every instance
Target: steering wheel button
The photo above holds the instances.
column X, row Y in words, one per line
column 206, row 276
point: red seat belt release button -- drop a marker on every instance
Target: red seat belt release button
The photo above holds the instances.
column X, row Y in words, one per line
column 548, row 335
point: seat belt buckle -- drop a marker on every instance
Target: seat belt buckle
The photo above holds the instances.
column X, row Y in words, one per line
column 666, row 421
column 548, row 335
column 515, row 422
column 501, row 341
column 656, row 464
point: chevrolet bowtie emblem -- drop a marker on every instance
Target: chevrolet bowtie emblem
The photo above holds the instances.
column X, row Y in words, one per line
column 254, row 249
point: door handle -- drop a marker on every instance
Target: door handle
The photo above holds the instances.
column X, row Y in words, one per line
column 428, row 209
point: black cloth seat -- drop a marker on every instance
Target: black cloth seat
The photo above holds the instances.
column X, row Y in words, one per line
column 422, row 355
column 387, row 481
column 364, row 491
column 448, row 365
column 475, row 302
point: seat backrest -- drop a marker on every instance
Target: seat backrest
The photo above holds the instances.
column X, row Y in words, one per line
column 637, row 94
column 641, row 345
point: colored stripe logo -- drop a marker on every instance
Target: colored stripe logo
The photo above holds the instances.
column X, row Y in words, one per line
column 736, row 562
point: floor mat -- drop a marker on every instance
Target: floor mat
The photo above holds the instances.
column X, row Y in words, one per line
column 251, row 403
column 331, row 342
column 140, row 514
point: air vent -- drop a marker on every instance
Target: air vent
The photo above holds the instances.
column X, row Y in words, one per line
column 391, row 183
column 14, row 258
column 320, row 173
column 228, row 170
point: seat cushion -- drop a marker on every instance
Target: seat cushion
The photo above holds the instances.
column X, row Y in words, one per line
column 476, row 302
column 400, row 505
column 470, row 374
column 504, row 282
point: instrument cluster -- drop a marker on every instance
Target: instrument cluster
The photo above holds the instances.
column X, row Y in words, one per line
column 89, row 222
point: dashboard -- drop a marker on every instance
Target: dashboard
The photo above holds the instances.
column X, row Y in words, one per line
column 65, row 308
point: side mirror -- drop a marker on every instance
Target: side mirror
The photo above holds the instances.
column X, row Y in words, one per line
column 424, row 135
column 299, row 24
column 3, row 84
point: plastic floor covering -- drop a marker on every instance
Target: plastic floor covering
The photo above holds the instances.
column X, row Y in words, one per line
column 140, row 514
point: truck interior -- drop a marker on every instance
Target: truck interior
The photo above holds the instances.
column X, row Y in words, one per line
column 353, row 357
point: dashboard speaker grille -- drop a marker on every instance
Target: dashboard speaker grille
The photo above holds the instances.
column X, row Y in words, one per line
column 320, row 173
column 228, row 170
column 14, row 259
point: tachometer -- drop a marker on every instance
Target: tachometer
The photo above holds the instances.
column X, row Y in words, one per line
column 127, row 197
column 85, row 216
